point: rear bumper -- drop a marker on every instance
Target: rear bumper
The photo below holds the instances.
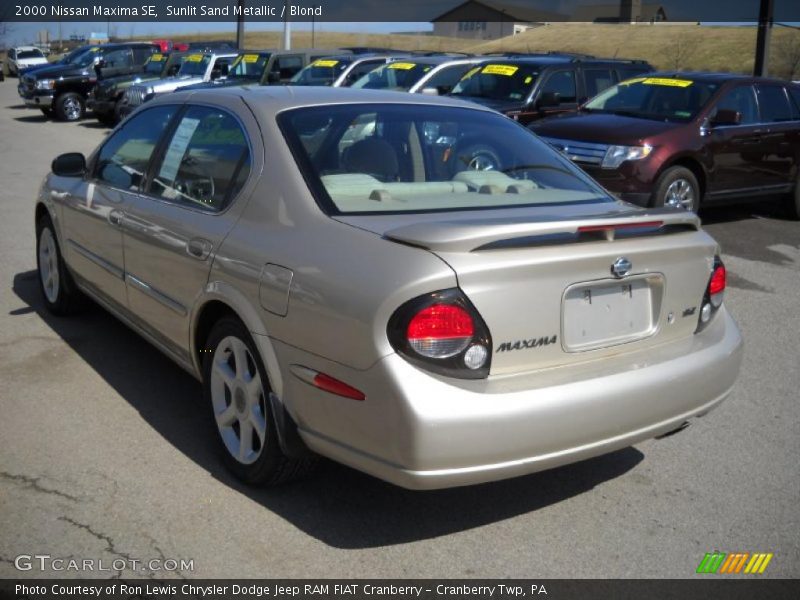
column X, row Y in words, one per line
column 423, row 432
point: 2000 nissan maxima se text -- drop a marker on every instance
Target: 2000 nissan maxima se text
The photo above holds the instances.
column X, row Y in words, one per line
column 345, row 281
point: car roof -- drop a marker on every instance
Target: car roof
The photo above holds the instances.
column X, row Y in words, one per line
column 712, row 77
column 274, row 99
column 18, row 48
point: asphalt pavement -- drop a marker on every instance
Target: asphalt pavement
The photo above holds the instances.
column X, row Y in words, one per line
column 106, row 452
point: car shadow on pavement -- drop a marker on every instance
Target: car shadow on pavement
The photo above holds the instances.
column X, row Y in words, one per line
column 40, row 118
column 94, row 124
column 337, row 505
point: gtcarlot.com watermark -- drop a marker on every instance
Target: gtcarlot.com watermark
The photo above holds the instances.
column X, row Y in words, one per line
column 47, row 563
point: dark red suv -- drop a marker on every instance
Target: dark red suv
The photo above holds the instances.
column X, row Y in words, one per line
column 686, row 138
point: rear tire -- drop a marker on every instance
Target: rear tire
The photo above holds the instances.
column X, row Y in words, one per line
column 677, row 186
column 236, row 390
column 70, row 107
column 61, row 295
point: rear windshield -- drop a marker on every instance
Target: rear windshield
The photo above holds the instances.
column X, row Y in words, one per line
column 396, row 158
column 658, row 98
column 400, row 75
column 194, row 64
column 498, row 82
column 248, row 66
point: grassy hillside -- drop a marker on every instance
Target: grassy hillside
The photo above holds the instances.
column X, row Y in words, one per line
column 666, row 46
column 302, row 39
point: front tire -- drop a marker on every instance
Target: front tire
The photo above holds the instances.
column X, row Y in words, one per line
column 70, row 107
column 61, row 296
column 236, row 388
column 677, row 187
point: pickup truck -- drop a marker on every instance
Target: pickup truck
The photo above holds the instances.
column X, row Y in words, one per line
column 105, row 100
column 197, row 67
column 61, row 90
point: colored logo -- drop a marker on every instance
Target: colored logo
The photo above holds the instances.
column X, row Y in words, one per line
column 736, row 562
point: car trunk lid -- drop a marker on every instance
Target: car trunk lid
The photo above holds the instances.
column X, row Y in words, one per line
column 545, row 283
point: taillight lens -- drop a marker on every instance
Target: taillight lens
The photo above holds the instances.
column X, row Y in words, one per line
column 442, row 332
column 715, row 293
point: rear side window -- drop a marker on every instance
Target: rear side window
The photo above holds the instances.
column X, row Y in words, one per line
column 206, row 162
column 123, row 159
column 773, row 104
column 597, row 80
column 563, row 84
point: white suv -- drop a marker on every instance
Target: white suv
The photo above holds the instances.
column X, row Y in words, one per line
column 24, row 57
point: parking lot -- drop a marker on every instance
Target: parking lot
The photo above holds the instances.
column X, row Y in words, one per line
column 106, row 453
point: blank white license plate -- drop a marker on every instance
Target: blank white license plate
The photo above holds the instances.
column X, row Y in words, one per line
column 608, row 313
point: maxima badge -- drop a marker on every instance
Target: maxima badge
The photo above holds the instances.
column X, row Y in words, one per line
column 621, row 267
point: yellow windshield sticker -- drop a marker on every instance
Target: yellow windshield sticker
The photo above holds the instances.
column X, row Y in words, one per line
column 156, row 57
column 250, row 58
column 403, row 66
column 194, row 58
column 632, row 81
column 506, row 70
column 94, row 49
column 668, row 82
column 325, row 62
column 528, row 79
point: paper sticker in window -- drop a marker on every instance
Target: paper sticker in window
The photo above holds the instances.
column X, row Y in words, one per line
column 325, row 63
column 668, row 82
column 403, row 66
column 506, row 70
column 177, row 148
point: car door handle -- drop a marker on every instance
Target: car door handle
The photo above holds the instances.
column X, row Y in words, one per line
column 56, row 195
column 199, row 248
column 116, row 217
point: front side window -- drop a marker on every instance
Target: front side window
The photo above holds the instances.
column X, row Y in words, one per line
column 118, row 58
column 597, row 80
column 206, row 161
column 503, row 82
column 742, row 100
column 122, row 161
column 155, row 64
column 287, row 66
column 658, row 98
column 446, row 78
column 412, row 158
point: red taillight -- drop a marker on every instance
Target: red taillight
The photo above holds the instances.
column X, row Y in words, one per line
column 440, row 330
column 334, row 386
column 717, row 284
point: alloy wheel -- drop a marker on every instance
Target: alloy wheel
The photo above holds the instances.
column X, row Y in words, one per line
column 680, row 194
column 72, row 109
column 238, row 400
column 48, row 265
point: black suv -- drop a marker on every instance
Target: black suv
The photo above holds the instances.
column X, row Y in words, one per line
column 528, row 87
column 60, row 90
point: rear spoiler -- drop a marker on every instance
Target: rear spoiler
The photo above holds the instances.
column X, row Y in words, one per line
column 475, row 235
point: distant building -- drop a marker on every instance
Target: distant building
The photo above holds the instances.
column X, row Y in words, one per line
column 489, row 20
column 625, row 11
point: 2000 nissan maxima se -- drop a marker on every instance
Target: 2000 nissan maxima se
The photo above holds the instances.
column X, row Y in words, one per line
column 346, row 280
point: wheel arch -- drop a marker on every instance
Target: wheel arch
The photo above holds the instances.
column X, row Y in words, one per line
column 221, row 300
column 694, row 164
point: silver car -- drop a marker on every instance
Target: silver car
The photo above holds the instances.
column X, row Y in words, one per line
column 346, row 280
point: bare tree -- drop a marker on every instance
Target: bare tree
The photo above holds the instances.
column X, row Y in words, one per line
column 786, row 55
column 680, row 50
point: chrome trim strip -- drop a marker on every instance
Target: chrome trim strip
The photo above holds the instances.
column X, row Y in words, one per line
column 100, row 262
column 156, row 295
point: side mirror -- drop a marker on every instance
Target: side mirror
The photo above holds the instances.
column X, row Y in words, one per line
column 548, row 100
column 430, row 91
column 215, row 74
column 726, row 116
column 72, row 164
